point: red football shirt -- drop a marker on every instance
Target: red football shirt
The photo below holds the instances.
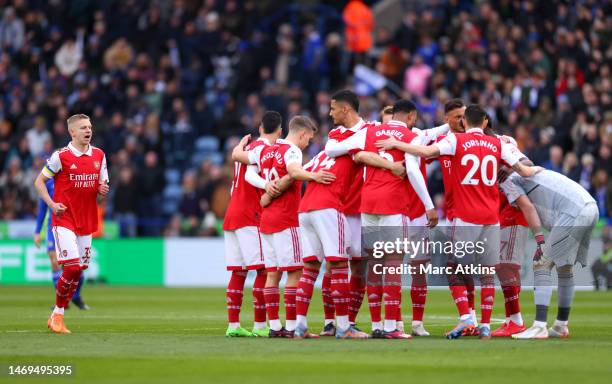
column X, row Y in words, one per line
column 445, row 169
column 382, row 193
column 508, row 214
column 323, row 196
column 282, row 213
column 77, row 177
column 351, row 202
column 475, row 159
column 244, row 209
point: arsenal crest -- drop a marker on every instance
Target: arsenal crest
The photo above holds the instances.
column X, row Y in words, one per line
column 97, row 164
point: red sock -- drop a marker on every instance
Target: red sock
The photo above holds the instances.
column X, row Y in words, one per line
column 418, row 293
column 69, row 278
column 259, row 302
column 510, row 277
column 393, row 294
column 374, row 289
column 289, row 297
column 357, row 288
column 272, row 298
column 340, row 290
column 469, row 287
column 304, row 290
column 399, row 307
column 460, row 297
column 487, row 297
column 233, row 295
column 328, row 302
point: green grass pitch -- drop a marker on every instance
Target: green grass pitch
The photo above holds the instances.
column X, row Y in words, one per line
column 163, row 335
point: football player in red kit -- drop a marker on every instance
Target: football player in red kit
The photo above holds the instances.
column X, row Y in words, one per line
column 80, row 175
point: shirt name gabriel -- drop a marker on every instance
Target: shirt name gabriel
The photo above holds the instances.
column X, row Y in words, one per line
column 84, row 180
column 390, row 132
column 479, row 143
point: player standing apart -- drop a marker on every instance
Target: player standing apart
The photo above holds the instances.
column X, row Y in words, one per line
column 241, row 234
column 56, row 270
column 80, row 174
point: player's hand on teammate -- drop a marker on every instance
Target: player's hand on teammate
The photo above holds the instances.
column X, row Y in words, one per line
column 265, row 200
column 244, row 141
column 432, row 218
column 272, row 189
column 324, row 177
column 103, row 189
column 58, row 208
column 37, row 240
column 398, row 169
column 389, row 143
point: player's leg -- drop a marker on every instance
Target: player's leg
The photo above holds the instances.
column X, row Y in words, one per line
column 489, row 236
column 313, row 254
column 512, row 251
column 235, row 287
column 419, row 257
column 271, row 290
column 357, row 264
column 333, row 232
column 459, row 231
column 374, row 281
column 393, row 228
column 84, row 247
column 580, row 234
column 329, row 327
column 288, row 247
column 249, row 240
column 68, row 255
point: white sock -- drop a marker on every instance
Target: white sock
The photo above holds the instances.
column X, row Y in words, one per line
column 560, row 323
column 473, row 315
column 234, row 325
column 275, row 325
column 390, row 325
column 517, row 318
column 290, row 325
column 343, row 322
column 486, row 325
column 259, row 325
column 329, row 321
column 465, row 317
column 400, row 324
column 416, row 323
column 376, row 325
column 301, row 321
column 541, row 324
column 58, row 310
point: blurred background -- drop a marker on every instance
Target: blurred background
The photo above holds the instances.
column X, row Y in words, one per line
column 171, row 84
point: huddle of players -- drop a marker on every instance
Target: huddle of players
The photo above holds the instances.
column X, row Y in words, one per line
column 359, row 180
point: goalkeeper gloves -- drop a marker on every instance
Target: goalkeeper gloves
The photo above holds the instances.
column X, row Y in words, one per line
column 539, row 237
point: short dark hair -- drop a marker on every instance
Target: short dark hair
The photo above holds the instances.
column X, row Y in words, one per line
column 453, row 104
column 474, row 115
column 300, row 122
column 388, row 110
column 271, row 121
column 403, row 105
column 347, row 96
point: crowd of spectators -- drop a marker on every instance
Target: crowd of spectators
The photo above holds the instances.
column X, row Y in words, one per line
column 170, row 84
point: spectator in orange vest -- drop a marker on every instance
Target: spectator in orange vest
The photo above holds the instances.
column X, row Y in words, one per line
column 359, row 25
